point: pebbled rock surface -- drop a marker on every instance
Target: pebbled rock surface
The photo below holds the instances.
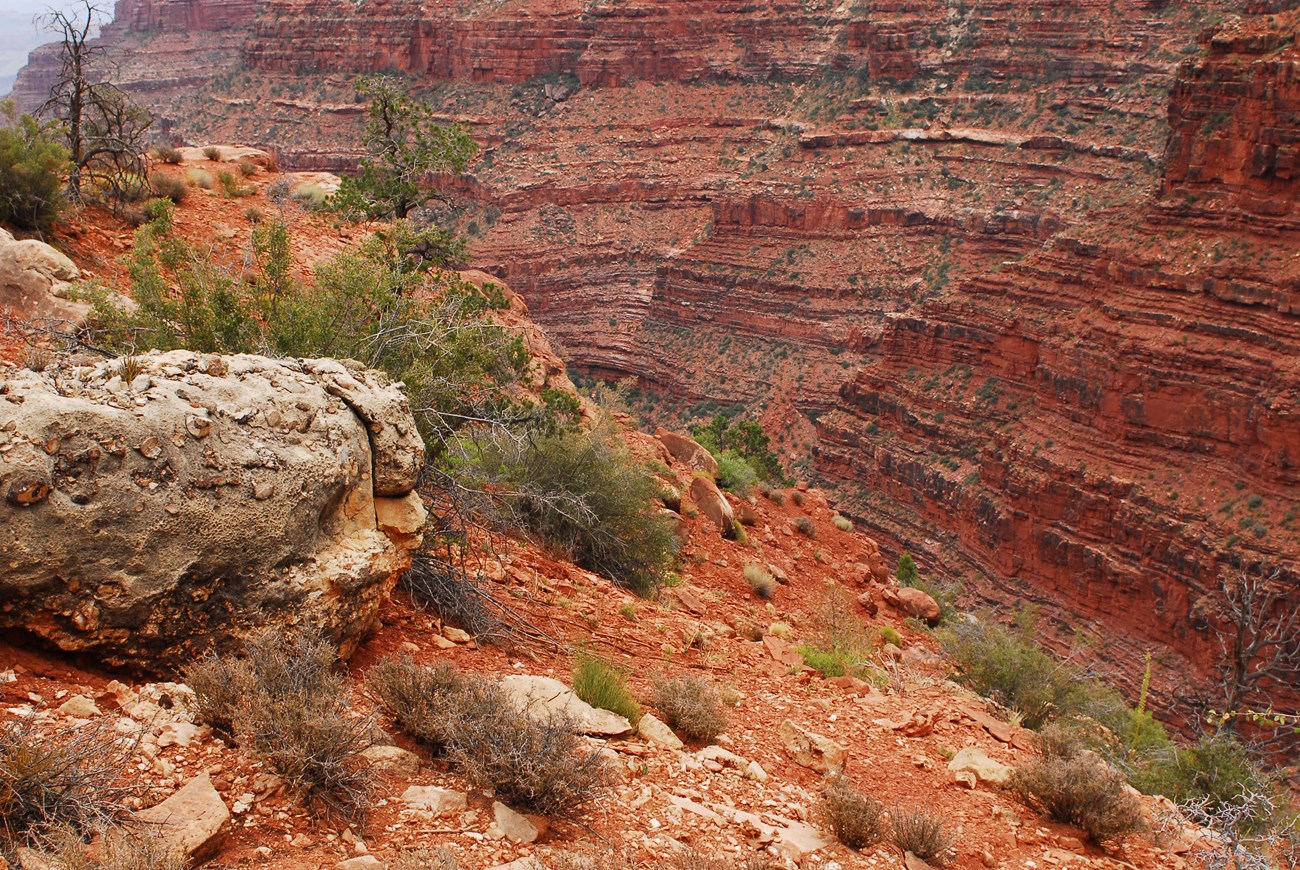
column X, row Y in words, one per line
column 207, row 497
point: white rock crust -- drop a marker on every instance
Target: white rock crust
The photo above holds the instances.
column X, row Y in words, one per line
column 209, row 496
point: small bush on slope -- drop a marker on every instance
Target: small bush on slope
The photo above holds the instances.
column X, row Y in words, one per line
column 585, row 495
column 284, row 703
column 855, row 817
column 920, row 831
column 691, row 706
column 66, row 781
column 1073, row 785
column 532, row 763
column 600, row 684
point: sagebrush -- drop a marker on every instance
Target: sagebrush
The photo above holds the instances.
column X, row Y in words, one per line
column 691, row 706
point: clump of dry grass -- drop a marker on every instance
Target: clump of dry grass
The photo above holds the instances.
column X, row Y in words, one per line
column 284, row 702
column 691, row 706
column 919, row 830
column 536, row 763
column 855, row 817
column 760, row 582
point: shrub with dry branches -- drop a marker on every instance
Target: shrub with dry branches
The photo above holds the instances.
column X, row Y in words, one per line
column 1072, row 785
column 920, row 831
column 60, row 780
column 691, row 706
column 855, row 817
column 283, row 702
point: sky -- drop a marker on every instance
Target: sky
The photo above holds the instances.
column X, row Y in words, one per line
column 19, row 34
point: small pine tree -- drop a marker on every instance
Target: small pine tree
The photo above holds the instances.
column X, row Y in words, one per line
column 32, row 166
column 906, row 571
column 405, row 145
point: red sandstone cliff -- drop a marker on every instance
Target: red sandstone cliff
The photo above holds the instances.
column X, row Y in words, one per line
column 1016, row 278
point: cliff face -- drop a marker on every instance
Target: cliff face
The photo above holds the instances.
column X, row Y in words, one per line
column 1015, row 278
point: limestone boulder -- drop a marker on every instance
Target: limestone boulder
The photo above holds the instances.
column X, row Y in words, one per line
column 230, row 154
column 813, row 751
column 209, row 496
column 711, row 502
column 687, row 451
column 193, row 822
column 977, row 766
column 544, row 697
column 34, row 281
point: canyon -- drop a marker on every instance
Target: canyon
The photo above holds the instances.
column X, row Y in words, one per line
column 1015, row 281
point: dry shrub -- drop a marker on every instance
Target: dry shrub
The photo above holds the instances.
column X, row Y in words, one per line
column 855, row 817
column 539, row 764
column 199, row 178
column 1078, row 788
column 691, row 706
column 66, row 780
column 805, row 527
column 797, row 497
column 168, row 154
column 169, row 187
column 843, row 523
column 212, row 152
column 120, row 848
column 920, row 831
column 761, row 583
column 246, row 167
column 424, row 859
column 284, row 703
column 426, row 702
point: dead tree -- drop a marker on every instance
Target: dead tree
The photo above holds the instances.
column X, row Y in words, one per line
column 1256, row 624
column 103, row 129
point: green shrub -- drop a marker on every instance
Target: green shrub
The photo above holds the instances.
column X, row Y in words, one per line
column 584, row 494
column 71, row 779
column 843, row 523
column 920, row 831
column 906, row 571
column 805, row 527
column 855, row 817
column 743, row 440
column 760, row 582
column 888, row 634
column 231, row 186
column 284, row 703
column 736, row 474
column 1215, row 770
column 455, row 364
column 1016, row 673
column 33, row 163
column 1077, row 788
column 691, row 706
column 600, row 684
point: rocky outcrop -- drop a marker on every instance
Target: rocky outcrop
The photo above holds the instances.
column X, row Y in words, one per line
column 156, row 506
column 34, row 282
